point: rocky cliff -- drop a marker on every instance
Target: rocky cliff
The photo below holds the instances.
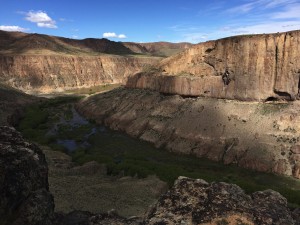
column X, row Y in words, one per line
column 250, row 67
column 45, row 73
column 257, row 136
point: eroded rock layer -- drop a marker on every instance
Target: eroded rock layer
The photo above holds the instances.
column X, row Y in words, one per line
column 250, row 67
column 259, row 136
column 57, row 72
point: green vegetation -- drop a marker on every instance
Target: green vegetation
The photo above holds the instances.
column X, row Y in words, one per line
column 127, row 156
column 40, row 118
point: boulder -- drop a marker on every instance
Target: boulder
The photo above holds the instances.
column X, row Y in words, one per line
column 24, row 191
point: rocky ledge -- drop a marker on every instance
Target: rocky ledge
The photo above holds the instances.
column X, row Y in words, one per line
column 26, row 200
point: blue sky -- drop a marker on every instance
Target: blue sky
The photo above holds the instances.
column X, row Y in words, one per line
column 148, row 21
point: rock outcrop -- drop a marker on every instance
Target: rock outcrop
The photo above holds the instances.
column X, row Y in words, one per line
column 24, row 191
column 259, row 136
column 47, row 73
column 198, row 202
column 250, row 67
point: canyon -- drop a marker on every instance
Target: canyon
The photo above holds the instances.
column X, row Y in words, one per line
column 183, row 110
column 233, row 100
column 40, row 63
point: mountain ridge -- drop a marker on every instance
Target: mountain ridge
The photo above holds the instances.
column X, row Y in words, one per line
column 24, row 43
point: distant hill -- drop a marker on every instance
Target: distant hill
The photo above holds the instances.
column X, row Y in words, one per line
column 23, row 43
column 163, row 49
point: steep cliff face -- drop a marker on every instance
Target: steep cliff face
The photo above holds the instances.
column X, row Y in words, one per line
column 54, row 72
column 251, row 67
column 259, row 136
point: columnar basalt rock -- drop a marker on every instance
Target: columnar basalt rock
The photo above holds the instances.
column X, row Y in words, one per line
column 250, row 67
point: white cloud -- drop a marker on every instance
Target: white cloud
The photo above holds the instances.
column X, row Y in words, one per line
column 109, row 35
column 46, row 25
column 122, row 36
column 12, row 28
column 113, row 35
column 41, row 19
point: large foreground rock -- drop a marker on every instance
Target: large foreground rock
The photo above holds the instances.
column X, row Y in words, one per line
column 198, row 202
column 248, row 67
column 24, row 194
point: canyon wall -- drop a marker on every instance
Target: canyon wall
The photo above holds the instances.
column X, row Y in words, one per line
column 259, row 136
column 44, row 73
column 250, row 67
